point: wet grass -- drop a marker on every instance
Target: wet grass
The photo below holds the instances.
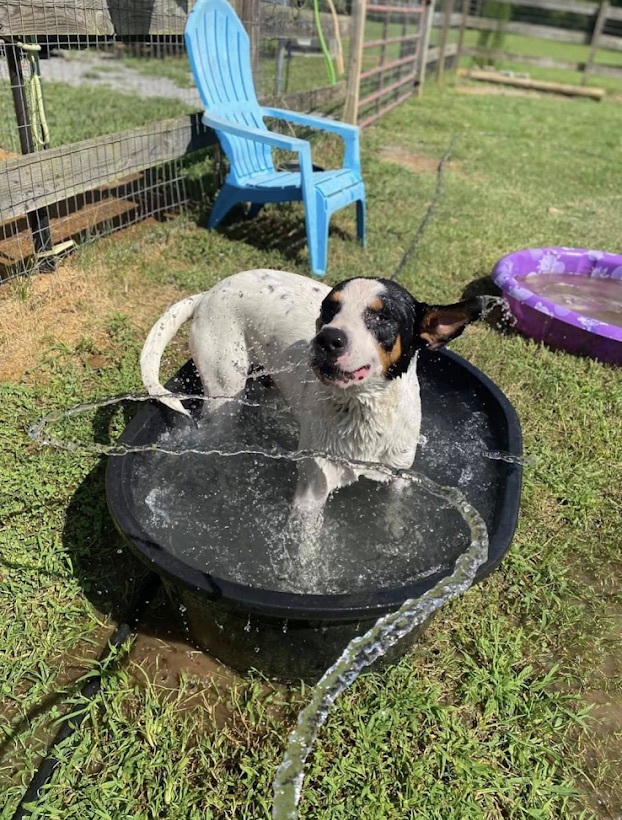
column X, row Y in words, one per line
column 510, row 706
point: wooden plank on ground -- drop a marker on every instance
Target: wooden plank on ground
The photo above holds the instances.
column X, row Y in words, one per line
column 102, row 214
column 534, row 85
column 40, row 179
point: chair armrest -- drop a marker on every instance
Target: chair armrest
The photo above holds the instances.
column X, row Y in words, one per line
column 282, row 141
column 349, row 133
column 313, row 121
column 287, row 143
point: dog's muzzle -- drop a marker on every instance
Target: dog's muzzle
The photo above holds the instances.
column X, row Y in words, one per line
column 329, row 344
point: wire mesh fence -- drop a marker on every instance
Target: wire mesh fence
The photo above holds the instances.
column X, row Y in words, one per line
column 394, row 41
column 98, row 112
column 99, row 117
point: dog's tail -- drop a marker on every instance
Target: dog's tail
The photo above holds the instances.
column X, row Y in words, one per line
column 159, row 336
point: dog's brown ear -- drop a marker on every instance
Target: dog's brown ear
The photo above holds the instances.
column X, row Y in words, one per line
column 442, row 323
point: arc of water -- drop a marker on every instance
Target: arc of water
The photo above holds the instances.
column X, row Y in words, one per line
column 38, row 432
column 364, row 650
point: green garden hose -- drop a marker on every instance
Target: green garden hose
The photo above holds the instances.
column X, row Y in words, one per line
column 330, row 68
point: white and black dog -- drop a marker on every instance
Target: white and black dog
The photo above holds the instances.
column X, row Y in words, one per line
column 343, row 359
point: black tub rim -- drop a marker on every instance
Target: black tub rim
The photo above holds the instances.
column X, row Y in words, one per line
column 293, row 606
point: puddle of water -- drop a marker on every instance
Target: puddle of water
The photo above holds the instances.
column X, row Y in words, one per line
column 166, row 657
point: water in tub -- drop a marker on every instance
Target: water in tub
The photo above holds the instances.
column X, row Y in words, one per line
column 596, row 297
column 232, row 516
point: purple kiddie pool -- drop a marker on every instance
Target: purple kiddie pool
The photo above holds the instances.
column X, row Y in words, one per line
column 570, row 298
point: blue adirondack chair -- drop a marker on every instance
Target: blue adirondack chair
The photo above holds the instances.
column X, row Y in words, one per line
column 219, row 54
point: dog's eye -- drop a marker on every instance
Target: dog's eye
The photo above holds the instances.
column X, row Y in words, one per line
column 373, row 318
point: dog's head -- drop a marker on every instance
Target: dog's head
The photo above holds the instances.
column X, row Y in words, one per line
column 373, row 327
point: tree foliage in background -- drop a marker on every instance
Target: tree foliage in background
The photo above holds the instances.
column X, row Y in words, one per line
column 564, row 19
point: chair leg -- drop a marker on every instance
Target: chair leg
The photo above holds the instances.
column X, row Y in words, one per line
column 225, row 201
column 361, row 231
column 317, row 239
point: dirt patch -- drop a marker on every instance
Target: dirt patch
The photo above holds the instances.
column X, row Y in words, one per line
column 164, row 656
column 61, row 308
column 413, row 162
column 6, row 155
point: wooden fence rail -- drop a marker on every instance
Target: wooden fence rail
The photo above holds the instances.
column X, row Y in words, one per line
column 40, row 180
column 36, row 180
column 596, row 16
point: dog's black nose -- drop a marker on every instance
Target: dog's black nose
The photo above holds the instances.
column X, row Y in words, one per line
column 331, row 340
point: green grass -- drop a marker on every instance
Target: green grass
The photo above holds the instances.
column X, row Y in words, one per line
column 486, row 717
column 78, row 113
column 175, row 69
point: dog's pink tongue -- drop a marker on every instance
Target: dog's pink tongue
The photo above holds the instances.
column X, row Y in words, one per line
column 361, row 372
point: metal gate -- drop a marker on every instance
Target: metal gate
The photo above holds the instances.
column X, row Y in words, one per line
column 388, row 40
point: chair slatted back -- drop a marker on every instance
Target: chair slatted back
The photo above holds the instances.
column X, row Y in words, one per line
column 219, row 53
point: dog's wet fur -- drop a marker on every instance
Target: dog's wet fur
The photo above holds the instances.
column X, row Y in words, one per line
column 344, row 359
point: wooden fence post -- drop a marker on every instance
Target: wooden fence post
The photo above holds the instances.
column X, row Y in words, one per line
column 440, row 66
column 38, row 220
column 249, row 15
column 355, row 62
column 463, row 24
column 598, row 30
column 423, row 57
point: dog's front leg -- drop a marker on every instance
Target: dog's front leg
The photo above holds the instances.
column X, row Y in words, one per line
column 313, row 487
column 395, row 514
column 298, row 557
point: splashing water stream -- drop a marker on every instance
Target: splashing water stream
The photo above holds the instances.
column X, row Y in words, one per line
column 363, row 650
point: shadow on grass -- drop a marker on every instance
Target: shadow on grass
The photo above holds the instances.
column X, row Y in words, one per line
column 109, row 574
column 277, row 228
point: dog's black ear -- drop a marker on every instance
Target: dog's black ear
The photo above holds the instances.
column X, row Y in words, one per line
column 442, row 323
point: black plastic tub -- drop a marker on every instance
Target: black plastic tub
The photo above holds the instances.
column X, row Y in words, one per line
column 289, row 635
